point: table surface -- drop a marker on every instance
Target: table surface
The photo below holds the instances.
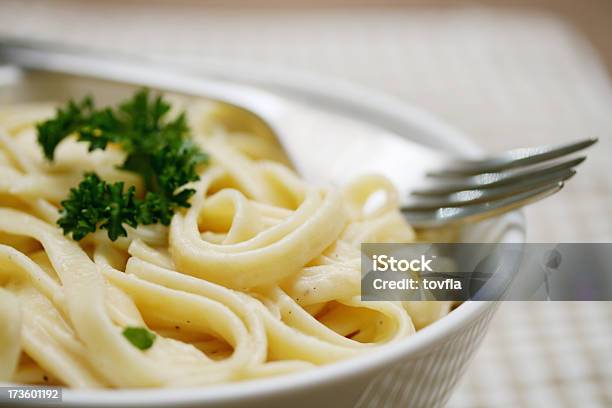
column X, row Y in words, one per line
column 506, row 78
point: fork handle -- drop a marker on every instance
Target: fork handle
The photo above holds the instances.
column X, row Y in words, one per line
column 135, row 69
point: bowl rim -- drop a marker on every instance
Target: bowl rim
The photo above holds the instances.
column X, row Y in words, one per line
column 339, row 92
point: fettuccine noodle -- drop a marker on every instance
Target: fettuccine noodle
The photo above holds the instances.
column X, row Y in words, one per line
column 259, row 277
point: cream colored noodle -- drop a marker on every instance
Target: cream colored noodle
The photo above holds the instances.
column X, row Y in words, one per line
column 260, row 277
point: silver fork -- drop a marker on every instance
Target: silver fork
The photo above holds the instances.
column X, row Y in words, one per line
column 324, row 147
column 468, row 190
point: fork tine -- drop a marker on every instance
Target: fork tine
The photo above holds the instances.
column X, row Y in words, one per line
column 470, row 197
column 511, row 159
column 489, row 180
column 452, row 215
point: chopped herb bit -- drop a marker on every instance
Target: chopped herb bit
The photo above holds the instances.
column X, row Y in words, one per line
column 140, row 337
column 158, row 150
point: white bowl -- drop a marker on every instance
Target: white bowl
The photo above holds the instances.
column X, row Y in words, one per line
column 418, row 372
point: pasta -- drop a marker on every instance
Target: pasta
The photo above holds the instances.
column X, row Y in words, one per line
column 259, row 277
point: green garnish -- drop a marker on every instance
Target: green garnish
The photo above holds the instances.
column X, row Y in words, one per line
column 140, row 337
column 159, row 151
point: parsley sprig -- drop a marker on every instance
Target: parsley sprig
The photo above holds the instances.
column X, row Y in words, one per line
column 159, row 150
